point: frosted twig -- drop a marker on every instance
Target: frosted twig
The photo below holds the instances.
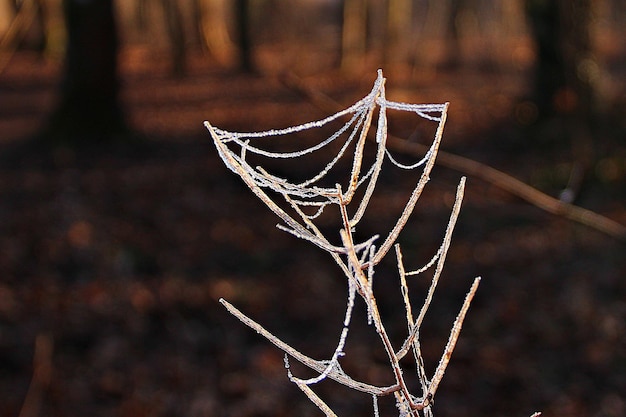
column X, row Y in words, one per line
column 381, row 140
column 438, row 269
column 358, row 153
column 374, row 316
column 454, row 336
column 316, row 365
column 415, row 343
column 315, row 399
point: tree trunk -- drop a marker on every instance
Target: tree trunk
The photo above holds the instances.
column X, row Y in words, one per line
column 399, row 31
column 453, row 58
column 88, row 110
column 213, row 25
column 563, row 77
column 7, row 13
column 354, row 33
column 244, row 37
column 176, row 36
column 564, row 84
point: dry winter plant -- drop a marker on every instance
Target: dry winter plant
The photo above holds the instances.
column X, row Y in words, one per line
column 299, row 204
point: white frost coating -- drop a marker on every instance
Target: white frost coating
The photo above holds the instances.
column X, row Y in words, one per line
column 422, row 110
column 366, row 102
column 236, row 147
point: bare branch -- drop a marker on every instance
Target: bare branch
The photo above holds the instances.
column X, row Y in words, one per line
column 315, row 399
column 439, row 268
column 454, row 336
column 413, row 338
column 316, row 365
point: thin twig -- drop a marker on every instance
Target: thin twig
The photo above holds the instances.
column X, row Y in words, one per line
column 454, row 336
column 315, row 399
column 417, row 351
column 381, row 130
column 358, row 154
column 373, row 312
column 447, row 240
column 318, row 366
column 518, row 188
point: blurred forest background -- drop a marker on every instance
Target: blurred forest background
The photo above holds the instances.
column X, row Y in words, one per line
column 120, row 227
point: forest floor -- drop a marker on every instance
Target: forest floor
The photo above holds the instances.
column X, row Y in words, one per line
column 112, row 263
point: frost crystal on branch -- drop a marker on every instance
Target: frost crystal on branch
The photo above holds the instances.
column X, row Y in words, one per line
column 292, row 201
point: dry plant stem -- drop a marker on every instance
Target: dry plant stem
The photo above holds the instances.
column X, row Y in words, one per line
column 357, row 260
column 412, row 342
column 366, row 293
column 415, row 344
column 380, row 154
column 315, row 399
column 370, row 300
column 318, row 366
column 456, row 209
column 479, row 170
column 358, row 154
column 454, row 336
column 353, row 260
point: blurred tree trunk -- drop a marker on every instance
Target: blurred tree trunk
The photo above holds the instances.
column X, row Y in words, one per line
column 168, row 18
column 564, row 69
column 88, row 110
column 354, row 33
column 399, row 30
column 176, row 35
column 7, row 13
column 56, row 37
column 564, row 81
column 213, row 18
column 244, row 37
column 453, row 56
column 17, row 23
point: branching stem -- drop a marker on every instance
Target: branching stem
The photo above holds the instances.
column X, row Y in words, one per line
column 356, row 260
